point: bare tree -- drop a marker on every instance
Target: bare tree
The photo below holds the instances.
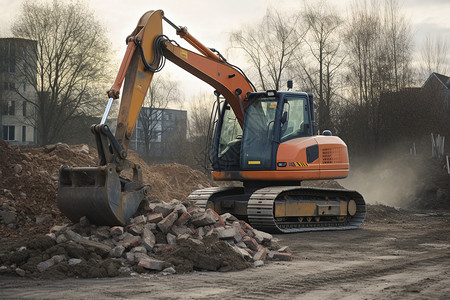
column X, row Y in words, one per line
column 199, row 120
column 162, row 92
column 435, row 56
column 70, row 57
column 379, row 50
column 270, row 46
column 321, row 67
column 397, row 41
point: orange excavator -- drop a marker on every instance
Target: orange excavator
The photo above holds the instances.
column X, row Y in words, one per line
column 267, row 140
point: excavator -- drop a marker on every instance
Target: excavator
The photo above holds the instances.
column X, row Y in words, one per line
column 265, row 139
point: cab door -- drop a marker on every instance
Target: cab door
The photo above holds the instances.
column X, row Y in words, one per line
column 258, row 148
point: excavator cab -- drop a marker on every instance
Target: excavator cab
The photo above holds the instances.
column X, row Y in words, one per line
column 271, row 118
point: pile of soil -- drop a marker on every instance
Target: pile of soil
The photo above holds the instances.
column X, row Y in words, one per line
column 29, row 183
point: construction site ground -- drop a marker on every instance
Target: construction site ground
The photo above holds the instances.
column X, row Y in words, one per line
column 397, row 253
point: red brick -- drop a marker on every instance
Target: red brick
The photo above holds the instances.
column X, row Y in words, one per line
column 251, row 243
column 183, row 219
column 261, row 254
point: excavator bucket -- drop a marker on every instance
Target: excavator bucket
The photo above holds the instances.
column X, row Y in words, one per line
column 99, row 193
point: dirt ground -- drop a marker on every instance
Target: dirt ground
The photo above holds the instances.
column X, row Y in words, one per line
column 395, row 254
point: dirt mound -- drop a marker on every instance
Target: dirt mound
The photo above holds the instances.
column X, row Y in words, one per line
column 29, row 183
column 170, row 181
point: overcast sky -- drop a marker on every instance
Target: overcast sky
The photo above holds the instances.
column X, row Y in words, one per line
column 211, row 20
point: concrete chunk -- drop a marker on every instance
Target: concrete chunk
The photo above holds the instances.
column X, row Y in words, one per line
column 98, row 246
column 171, row 239
column 203, row 219
column 138, row 220
column 117, row 251
column 261, row 254
column 154, row 218
column 152, row 264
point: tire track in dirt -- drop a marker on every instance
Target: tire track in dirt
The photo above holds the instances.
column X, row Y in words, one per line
column 293, row 284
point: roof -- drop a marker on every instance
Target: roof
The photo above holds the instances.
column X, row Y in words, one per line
column 444, row 80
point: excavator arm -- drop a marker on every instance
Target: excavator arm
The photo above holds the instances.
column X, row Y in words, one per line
column 100, row 193
column 147, row 48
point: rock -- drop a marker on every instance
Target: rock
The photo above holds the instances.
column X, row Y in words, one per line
column 84, row 149
column 152, row 264
column 116, row 230
column 58, row 229
column 206, row 218
column 261, row 254
column 165, row 224
column 251, row 243
column 8, row 217
column 140, row 256
column 73, row 236
column 139, row 249
column 169, row 271
column 117, row 251
column 40, row 219
column 20, row 272
column 129, row 256
column 74, row 261
column 258, row 263
column 226, row 233
column 61, row 239
column 139, row 220
column 171, row 239
column 18, row 168
column 242, row 252
column 262, row 237
column 130, row 240
column 154, row 218
column 183, row 219
column 101, row 248
column 42, row 266
column 136, row 229
column 164, row 208
column 179, row 230
column 280, row 256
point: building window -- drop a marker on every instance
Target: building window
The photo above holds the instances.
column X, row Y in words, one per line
column 9, row 133
column 8, row 108
column 24, row 133
column 24, row 108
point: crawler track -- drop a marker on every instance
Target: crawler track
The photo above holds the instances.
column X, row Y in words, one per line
column 260, row 207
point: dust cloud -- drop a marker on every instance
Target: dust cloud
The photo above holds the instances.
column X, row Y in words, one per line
column 391, row 180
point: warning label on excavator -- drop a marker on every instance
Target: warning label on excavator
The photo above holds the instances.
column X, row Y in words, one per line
column 183, row 53
column 254, row 162
column 298, row 164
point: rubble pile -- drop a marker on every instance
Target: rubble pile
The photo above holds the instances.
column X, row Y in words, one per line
column 168, row 238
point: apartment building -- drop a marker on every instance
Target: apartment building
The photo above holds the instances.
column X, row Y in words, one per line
column 17, row 95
